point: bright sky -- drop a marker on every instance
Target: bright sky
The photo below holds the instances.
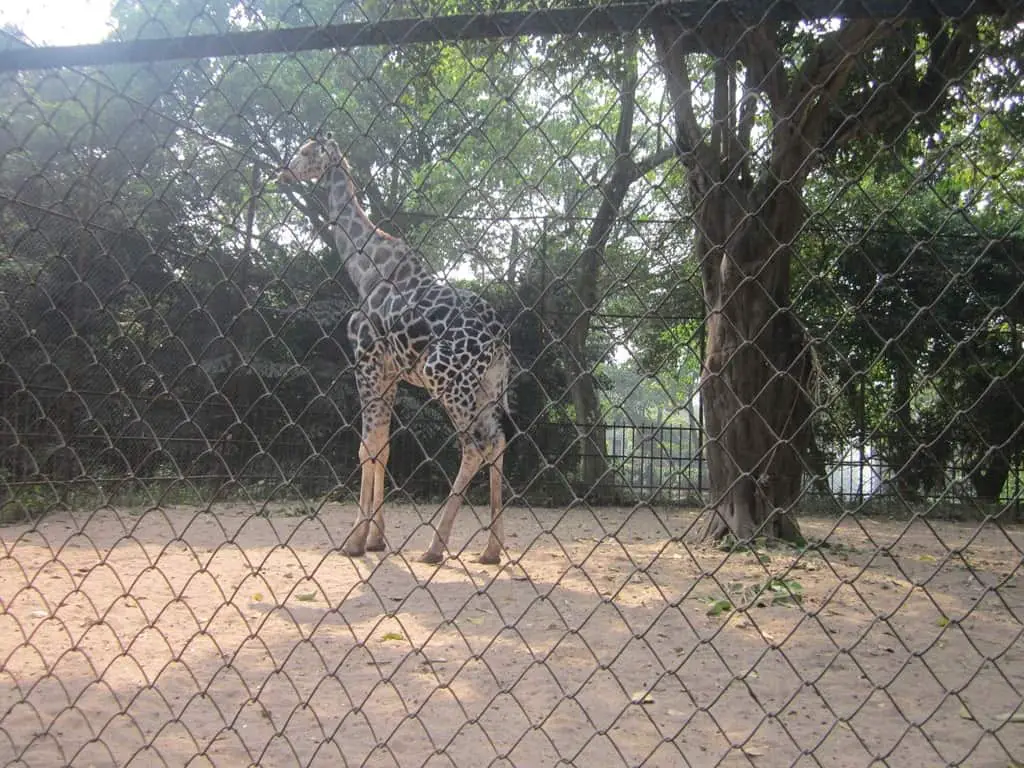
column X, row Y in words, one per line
column 58, row 22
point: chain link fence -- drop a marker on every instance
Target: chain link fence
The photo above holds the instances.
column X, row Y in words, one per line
column 757, row 268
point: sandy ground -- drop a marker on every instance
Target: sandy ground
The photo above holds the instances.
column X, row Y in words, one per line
column 172, row 637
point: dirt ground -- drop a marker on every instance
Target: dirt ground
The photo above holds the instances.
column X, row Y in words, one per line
column 172, row 637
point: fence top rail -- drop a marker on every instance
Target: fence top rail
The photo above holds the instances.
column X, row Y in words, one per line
column 548, row 22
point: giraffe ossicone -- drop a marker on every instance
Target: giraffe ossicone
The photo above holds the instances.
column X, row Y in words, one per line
column 410, row 326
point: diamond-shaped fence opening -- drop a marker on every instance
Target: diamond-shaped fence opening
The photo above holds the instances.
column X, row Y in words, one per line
column 708, row 316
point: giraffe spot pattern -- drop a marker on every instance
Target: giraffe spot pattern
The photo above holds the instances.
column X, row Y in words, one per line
column 413, row 327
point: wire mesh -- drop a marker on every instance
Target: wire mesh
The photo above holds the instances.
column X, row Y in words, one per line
column 758, row 268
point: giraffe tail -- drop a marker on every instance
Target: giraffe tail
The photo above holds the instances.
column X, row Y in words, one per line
column 508, row 426
column 505, row 413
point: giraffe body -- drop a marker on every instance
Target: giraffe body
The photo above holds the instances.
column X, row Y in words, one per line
column 412, row 327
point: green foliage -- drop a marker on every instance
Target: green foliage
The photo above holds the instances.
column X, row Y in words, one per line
column 167, row 312
column 918, row 314
column 741, row 596
column 908, row 278
column 25, row 500
column 206, row 314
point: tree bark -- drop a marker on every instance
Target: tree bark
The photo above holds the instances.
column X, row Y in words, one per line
column 757, row 369
column 757, row 366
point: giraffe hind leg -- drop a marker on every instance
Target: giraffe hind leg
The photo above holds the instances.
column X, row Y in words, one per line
column 471, row 461
column 496, row 537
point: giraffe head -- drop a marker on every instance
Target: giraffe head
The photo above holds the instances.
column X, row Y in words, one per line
column 312, row 161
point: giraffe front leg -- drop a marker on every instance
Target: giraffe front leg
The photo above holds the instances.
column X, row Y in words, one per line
column 355, row 542
column 375, row 543
column 471, row 461
column 376, row 385
column 373, row 453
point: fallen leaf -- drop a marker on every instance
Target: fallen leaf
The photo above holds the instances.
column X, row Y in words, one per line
column 392, row 636
column 965, row 714
column 1012, row 717
column 641, row 697
column 306, row 597
column 718, row 607
column 257, row 596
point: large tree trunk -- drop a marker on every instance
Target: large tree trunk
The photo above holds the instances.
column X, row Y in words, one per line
column 756, row 369
column 748, row 214
column 754, row 386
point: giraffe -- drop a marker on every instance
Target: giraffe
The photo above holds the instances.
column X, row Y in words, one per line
column 410, row 326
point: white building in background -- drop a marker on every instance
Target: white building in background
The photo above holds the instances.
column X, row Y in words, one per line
column 858, row 474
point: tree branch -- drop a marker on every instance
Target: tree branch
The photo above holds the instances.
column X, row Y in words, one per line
column 613, row 192
column 800, row 126
column 833, row 56
column 641, row 168
column 721, row 122
column 765, row 71
column 627, row 98
column 904, row 98
column 745, row 126
column 671, row 44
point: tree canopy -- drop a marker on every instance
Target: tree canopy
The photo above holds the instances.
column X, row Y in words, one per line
column 167, row 312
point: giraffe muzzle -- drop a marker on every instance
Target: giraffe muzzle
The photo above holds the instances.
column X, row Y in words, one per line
column 287, row 176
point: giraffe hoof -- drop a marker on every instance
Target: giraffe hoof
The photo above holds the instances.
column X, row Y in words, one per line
column 489, row 559
column 375, row 546
column 431, row 558
column 350, row 551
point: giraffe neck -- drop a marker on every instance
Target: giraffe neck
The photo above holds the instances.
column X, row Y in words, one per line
column 369, row 255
